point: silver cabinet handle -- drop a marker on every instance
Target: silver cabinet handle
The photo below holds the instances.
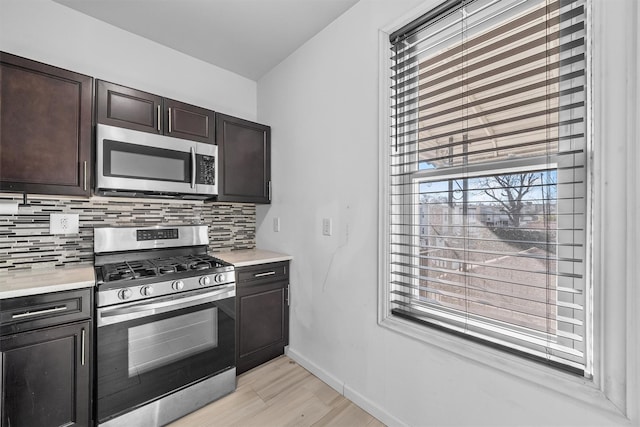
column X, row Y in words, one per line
column 268, row 273
column 85, row 175
column 287, row 295
column 169, row 119
column 193, row 167
column 269, row 190
column 159, row 117
column 38, row 312
column 82, row 347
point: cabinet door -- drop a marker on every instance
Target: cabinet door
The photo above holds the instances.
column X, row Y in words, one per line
column 46, row 378
column 128, row 108
column 46, row 118
column 244, row 149
column 263, row 324
column 189, row 122
column 262, row 298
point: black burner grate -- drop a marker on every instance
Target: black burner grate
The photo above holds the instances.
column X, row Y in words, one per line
column 129, row 270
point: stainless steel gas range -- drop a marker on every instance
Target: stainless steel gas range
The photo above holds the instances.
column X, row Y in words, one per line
column 165, row 324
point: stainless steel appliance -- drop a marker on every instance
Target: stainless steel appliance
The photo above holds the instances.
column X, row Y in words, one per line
column 132, row 163
column 165, row 320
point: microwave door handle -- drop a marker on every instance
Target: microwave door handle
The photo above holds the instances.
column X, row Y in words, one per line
column 193, row 167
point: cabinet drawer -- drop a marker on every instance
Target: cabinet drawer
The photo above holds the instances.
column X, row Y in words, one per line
column 40, row 311
column 263, row 273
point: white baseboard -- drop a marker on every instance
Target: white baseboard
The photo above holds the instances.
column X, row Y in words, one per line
column 326, row 377
column 353, row 395
column 372, row 407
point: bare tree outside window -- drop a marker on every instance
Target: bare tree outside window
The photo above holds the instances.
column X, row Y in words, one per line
column 509, row 191
column 488, row 246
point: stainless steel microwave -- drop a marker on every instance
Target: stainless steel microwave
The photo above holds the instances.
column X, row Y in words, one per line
column 133, row 163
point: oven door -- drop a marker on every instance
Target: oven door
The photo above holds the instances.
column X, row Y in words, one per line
column 148, row 349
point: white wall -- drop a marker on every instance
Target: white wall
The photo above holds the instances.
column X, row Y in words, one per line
column 54, row 34
column 322, row 103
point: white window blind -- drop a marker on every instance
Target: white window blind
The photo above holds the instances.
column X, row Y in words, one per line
column 488, row 183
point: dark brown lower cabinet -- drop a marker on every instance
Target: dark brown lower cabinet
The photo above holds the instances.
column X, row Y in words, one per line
column 262, row 324
column 46, row 377
column 45, row 354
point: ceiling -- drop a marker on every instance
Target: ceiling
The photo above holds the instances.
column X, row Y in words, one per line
column 247, row 37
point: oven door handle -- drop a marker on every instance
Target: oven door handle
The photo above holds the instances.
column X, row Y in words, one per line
column 118, row 314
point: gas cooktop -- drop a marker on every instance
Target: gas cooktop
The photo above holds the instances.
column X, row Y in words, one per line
column 130, row 270
column 139, row 263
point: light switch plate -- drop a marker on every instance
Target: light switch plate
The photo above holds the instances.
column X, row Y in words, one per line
column 276, row 224
column 64, row 223
column 327, row 226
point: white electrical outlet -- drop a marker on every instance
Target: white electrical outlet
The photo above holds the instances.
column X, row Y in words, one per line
column 327, row 226
column 64, row 223
column 276, row 224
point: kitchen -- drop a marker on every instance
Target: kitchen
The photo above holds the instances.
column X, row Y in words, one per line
column 324, row 162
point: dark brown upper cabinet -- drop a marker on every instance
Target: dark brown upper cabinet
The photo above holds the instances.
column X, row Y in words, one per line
column 244, row 149
column 128, row 108
column 46, row 128
column 133, row 109
column 189, row 122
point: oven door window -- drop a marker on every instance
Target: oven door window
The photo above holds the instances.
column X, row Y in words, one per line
column 126, row 160
column 143, row 359
column 153, row 345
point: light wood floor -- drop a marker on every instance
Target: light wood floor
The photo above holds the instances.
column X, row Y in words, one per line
column 280, row 393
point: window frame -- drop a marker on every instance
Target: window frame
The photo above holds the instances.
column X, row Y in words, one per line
column 592, row 391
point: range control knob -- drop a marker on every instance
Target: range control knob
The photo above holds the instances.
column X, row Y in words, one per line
column 124, row 293
column 177, row 285
column 219, row 278
column 146, row 291
column 205, row 281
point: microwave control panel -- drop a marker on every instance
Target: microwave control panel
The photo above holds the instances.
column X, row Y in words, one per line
column 206, row 170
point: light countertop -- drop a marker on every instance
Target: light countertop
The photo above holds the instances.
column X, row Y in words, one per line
column 249, row 257
column 40, row 281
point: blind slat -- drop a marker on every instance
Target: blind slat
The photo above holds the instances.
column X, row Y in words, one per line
column 470, row 66
column 549, row 351
column 545, row 322
column 470, row 285
column 403, row 56
column 519, row 91
column 509, row 79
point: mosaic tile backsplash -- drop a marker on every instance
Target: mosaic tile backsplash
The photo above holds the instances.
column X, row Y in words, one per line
column 25, row 241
